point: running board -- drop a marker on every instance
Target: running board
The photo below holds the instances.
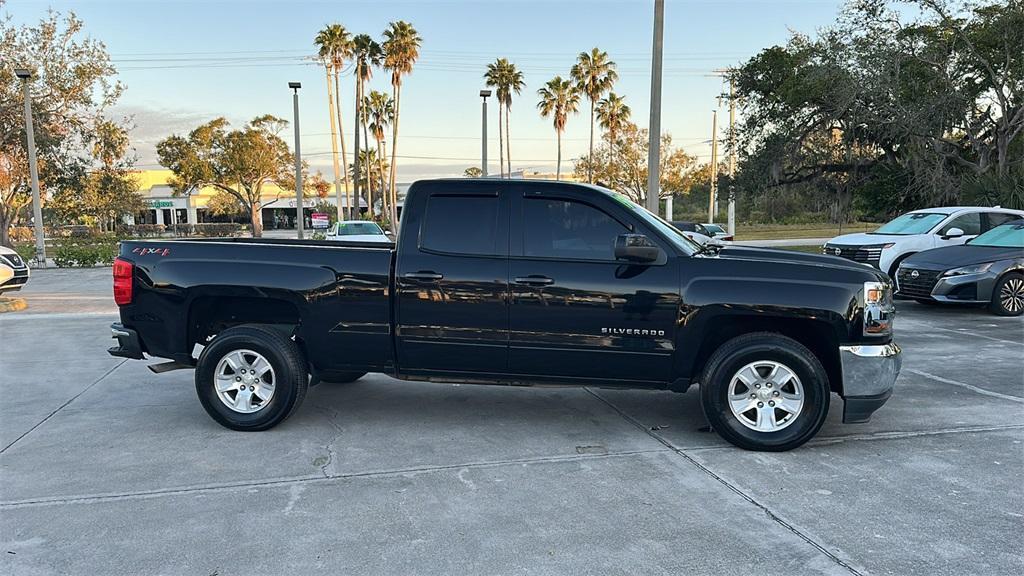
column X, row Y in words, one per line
column 168, row 366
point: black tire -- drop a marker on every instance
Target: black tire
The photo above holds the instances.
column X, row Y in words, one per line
column 341, row 377
column 291, row 378
column 1011, row 281
column 737, row 353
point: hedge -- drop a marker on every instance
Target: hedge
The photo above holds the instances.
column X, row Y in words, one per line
column 73, row 254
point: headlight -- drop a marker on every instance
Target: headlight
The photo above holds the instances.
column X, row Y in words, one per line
column 972, row 269
column 878, row 309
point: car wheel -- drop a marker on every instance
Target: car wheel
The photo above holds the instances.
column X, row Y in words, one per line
column 1008, row 295
column 341, row 377
column 764, row 391
column 251, row 378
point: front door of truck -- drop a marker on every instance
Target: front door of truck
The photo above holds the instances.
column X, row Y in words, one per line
column 576, row 311
column 452, row 280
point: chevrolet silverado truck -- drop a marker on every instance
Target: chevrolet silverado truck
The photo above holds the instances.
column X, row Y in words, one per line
column 516, row 283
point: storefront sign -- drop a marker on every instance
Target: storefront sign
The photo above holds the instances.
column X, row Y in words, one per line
column 161, row 204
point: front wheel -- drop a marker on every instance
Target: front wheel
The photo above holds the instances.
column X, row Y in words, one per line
column 765, row 392
column 1008, row 295
column 251, row 378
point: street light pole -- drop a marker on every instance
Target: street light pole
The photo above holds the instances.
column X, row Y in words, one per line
column 299, row 212
column 713, row 200
column 654, row 135
column 483, row 132
column 33, row 168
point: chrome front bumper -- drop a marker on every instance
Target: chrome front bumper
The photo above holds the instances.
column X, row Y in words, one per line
column 869, row 373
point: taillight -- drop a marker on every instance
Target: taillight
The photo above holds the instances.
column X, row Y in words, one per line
column 123, row 272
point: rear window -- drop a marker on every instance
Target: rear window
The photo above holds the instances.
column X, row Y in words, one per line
column 359, row 229
column 460, row 225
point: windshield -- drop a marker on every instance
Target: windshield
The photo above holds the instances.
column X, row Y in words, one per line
column 689, row 247
column 1006, row 236
column 358, row 229
column 912, row 223
column 714, row 228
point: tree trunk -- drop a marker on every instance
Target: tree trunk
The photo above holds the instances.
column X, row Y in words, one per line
column 334, row 143
column 558, row 167
column 508, row 140
column 256, row 218
column 366, row 140
column 341, row 136
column 357, row 167
column 5, row 228
column 590, row 154
column 397, row 90
column 383, row 195
column 501, row 141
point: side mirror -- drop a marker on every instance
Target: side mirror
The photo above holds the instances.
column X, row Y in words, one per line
column 635, row 248
column 953, row 233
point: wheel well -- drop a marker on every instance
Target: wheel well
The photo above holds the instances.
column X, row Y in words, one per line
column 212, row 314
column 896, row 263
column 817, row 336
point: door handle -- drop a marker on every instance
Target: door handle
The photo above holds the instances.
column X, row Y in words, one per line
column 534, row 280
column 423, row 276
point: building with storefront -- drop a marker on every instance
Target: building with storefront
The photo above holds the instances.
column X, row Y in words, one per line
column 167, row 208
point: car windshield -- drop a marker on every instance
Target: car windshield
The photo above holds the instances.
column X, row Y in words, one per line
column 912, row 223
column 689, row 247
column 358, row 229
column 714, row 228
column 1010, row 235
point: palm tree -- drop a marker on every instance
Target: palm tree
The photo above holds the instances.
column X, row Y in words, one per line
column 513, row 81
column 401, row 50
column 379, row 112
column 369, row 173
column 495, row 78
column 335, row 46
column 594, row 75
column 323, row 41
column 367, row 53
column 558, row 99
column 613, row 114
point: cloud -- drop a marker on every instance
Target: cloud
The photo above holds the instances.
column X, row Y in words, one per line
column 152, row 124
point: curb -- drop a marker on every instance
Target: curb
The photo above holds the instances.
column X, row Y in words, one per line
column 12, row 304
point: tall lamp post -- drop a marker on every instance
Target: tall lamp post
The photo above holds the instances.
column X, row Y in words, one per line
column 654, row 142
column 483, row 132
column 33, row 168
column 299, row 208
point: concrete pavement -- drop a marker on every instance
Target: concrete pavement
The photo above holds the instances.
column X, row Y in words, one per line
column 106, row 468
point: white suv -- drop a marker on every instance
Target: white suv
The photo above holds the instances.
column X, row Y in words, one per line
column 917, row 231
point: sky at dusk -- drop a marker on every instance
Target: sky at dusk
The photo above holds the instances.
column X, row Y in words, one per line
column 184, row 63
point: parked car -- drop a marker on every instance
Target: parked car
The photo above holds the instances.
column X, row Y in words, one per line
column 693, row 231
column 516, row 282
column 18, row 268
column 716, row 232
column 988, row 269
column 357, row 231
column 917, row 231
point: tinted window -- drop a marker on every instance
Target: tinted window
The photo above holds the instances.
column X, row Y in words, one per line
column 969, row 223
column 358, row 229
column 460, row 224
column 567, row 229
column 997, row 218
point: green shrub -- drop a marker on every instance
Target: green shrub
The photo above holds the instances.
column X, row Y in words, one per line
column 84, row 255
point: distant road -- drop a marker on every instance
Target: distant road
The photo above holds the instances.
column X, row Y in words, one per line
column 784, row 242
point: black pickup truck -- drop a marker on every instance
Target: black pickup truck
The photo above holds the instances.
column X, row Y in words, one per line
column 516, row 282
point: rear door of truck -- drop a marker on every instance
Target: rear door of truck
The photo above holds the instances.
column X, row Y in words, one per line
column 451, row 279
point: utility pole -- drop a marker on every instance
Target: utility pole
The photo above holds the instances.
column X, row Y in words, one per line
column 654, row 134
column 483, row 132
column 713, row 200
column 299, row 208
column 33, row 168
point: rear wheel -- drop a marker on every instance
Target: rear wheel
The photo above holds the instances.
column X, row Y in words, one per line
column 1008, row 295
column 251, row 378
column 765, row 391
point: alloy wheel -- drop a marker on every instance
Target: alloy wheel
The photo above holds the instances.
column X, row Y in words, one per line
column 766, row 396
column 245, row 381
column 1011, row 295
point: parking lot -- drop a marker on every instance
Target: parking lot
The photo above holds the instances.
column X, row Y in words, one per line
column 107, row 468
